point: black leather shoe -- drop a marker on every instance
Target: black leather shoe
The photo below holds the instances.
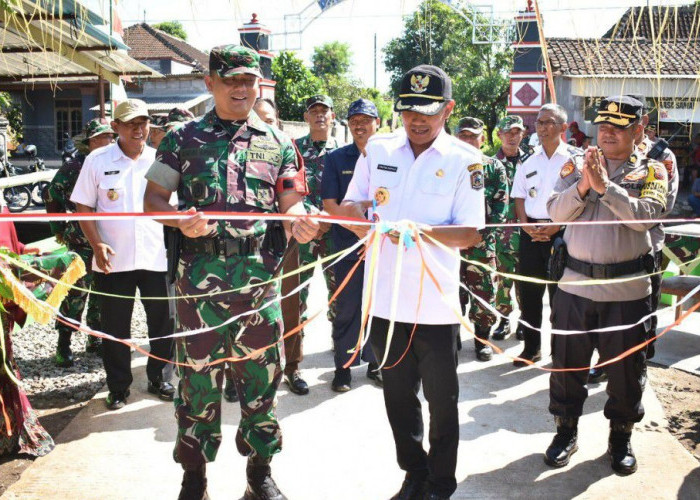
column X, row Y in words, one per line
column 164, row 390
column 194, row 484
column 374, row 373
column 520, row 332
column 564, row 443
column 260, row 485
column 117, row 400
column 230, row 392
column 622, row 457
column 530, row 356
column 297, row 384
column 411, row 489
column 341, row 380
column 64, row 355
column 94, row 345
column 434, row 496
column 483, row 351
column 597, row 375
column 502, row 330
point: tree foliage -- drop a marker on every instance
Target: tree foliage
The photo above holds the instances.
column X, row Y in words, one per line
column 174, row 28
column 295, row 83
column 331, row 58
column 436, row 34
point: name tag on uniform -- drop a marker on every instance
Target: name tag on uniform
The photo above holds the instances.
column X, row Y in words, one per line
column 112, row 172
column 347, row 172
column 531, row 174
column 387, row 168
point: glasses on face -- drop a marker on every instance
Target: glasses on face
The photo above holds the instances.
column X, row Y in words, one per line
column 546, row 123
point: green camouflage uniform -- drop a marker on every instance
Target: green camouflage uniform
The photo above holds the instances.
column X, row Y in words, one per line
column 57, row 199
column 508, row 239
column 479, row 280
column 221, row 166
column 314, row 155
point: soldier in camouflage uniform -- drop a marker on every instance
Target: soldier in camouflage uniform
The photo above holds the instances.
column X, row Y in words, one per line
column 229, row 160
column 161, row 123
column 97, row 133
column 479, row 280
column 313, row 148
column 511, row 131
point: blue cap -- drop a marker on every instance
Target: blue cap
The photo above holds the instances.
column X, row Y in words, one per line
column 363, row 107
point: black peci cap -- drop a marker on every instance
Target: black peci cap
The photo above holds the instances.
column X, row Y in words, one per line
column 424, row 89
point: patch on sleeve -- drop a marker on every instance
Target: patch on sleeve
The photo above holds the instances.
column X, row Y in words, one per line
column 668, row 163
column 477, row 179
column 655, row 186
column 567, row 169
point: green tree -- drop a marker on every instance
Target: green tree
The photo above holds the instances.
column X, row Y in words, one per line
column 437, row 34
column 331, row 58
column 174, row 28
column 295, row 83
column 13, row 112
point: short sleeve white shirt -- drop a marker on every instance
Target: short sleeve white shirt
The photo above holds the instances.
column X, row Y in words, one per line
column 535, row 179
column 111, row 182
column 436, row 188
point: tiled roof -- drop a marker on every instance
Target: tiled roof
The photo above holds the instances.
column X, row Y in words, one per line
column 662, row 23
column 623, row 57
column 146, row 42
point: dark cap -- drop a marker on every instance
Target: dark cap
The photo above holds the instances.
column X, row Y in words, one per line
column 319, row 99
column 229, row 60
column 621, row 111
column 471, row 124
column 159, row 120
column 641, row 99
column 177, row 115
column 363, row 107
column 424, row 89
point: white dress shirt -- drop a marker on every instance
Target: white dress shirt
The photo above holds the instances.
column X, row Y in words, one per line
column 435, row 189
column 536, row 177
column 112, row 182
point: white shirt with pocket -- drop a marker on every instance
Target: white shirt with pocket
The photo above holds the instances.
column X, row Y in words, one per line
column 112, row 182
column 443, row 186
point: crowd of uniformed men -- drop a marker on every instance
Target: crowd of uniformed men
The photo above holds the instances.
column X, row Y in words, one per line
column 235, row 158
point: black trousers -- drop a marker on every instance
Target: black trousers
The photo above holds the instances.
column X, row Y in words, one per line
column 655, row 299
column 626, row 378
column 533, row 260
column 348, row 314
column 116, row 320
column 432, row 360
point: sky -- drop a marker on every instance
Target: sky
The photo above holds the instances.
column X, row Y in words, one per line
column 214, row 22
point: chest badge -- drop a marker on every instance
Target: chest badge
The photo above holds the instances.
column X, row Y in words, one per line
column 532, row 193
column 381, row 196
column 440, row 173
column 112, row 195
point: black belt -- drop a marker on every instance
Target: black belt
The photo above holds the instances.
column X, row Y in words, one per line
column 610, row 271
column 538, row 221
column 224, row 247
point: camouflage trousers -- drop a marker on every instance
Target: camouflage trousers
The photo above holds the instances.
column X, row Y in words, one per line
column 480, row 282
column 308, row 254
column 198, row 402
column 74, row 303
column 507, row 247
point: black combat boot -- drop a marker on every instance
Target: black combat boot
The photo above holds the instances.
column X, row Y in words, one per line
column 620, row 451
column 483, row 351
column 261, row 486
column 564, row 443
column 502, row 330
column 64, row 355
column 194, row 483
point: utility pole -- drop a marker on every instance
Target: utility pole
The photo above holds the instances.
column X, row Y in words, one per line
column 375, row 60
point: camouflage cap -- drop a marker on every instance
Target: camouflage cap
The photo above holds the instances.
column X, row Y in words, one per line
column 95, row 127
column 179, row 115
column 319, row 99
column 509, row 122
column 159, row 120
column 229, row 60
column 471, row 124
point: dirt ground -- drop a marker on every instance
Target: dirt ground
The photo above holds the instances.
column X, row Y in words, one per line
column 678, row 391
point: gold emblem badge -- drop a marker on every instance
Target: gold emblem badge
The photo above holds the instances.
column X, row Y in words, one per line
column 419, row 83
column 532, row 192
column 381, row 196
column 613, row 108
column 112, row 195
column 440, row 173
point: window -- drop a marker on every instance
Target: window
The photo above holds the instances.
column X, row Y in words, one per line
column 69, row 119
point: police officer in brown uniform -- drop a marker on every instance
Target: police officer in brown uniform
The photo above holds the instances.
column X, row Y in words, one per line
column 614, row 184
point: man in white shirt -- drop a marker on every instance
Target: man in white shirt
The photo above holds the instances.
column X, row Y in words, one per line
column 533, row 184
column 128, row 254
column 424, row 175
